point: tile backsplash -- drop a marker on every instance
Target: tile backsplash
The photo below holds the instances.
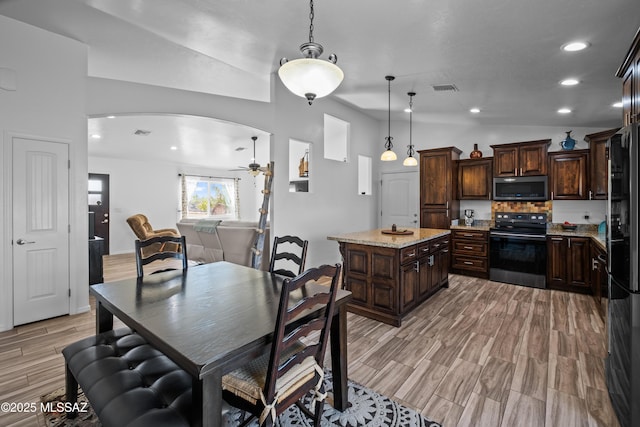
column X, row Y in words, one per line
column 557, row 211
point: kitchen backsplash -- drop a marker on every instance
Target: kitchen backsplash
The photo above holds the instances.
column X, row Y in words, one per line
column 557, row 211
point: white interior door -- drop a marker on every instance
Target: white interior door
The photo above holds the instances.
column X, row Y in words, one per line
column 400, row 199
column 40, row 229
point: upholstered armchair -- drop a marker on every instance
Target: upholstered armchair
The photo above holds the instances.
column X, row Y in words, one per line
column 143, row 231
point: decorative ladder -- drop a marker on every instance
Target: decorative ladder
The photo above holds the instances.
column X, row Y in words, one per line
column 258, row 243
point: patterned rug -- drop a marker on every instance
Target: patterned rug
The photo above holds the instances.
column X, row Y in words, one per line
column 368, row 408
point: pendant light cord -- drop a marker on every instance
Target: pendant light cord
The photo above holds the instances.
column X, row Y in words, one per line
column 311, row 16
column 389, row 144
column 411, row 151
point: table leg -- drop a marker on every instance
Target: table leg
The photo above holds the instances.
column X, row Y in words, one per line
column 209, row 395
column 339, row 358
column 104, row 319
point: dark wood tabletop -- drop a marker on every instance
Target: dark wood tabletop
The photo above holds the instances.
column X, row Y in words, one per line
column 211, row 319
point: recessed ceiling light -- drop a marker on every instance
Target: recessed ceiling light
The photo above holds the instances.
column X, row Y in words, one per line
column 111, row 117
column 617, row 104
column 95, row 136
column 564, row 111
column 575, row 46
column 569, row 82
column 474, row 110
column 173, row 147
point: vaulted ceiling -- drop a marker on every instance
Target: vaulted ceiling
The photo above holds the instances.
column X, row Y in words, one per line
column 503, row 56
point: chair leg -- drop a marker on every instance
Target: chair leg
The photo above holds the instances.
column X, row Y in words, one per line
column 71, row 390
column 317, row 415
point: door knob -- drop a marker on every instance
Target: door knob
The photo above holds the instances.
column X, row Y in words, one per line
column 23, row 242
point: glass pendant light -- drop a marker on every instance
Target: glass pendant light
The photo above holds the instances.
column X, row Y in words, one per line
column 388, row 154
column 410, row 160
column 310, row 77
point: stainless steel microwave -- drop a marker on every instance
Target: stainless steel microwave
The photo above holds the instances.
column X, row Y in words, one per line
column 520, row 188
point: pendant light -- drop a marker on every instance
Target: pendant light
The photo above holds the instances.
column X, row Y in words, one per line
column 388, row 154
column 410, row 160
column 310, row 77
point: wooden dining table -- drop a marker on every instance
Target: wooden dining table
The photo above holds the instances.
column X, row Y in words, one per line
column 211, row 319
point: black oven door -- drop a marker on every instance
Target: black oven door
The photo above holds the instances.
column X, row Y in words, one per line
column 520, row 259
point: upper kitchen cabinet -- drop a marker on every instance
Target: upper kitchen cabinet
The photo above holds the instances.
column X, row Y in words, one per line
column 475, row 179
column 599, row 166
column 569, row 175
column 438, row 187
column 528, row 158
column 629, row 71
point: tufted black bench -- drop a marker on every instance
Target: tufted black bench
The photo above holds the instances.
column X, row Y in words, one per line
column 127, row 381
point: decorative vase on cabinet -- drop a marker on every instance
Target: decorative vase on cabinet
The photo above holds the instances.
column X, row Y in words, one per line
column 475, row 154
column 568, row 143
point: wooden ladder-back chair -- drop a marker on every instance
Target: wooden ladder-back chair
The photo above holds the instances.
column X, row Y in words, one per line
column 268, row 385
column 283, row 260
column 170, row 247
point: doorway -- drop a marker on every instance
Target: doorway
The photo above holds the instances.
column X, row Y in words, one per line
column 399, row 199
column 99, row 205
column 40, row 228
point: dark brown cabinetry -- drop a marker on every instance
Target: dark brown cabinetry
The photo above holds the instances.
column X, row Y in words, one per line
column 475, row 179
column 569, row 175
column 438, row 187
column 569, row 263
column 598, row 164
column 386, row 283
column 629, row 71
column 470, row 252
column 599, row 282
column 527, row 158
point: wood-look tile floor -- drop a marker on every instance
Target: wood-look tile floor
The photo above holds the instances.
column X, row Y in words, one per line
column 478, row 353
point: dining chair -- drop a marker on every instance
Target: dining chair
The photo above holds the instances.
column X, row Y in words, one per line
column 284, row 261
column 170, row 247
column 266, row 386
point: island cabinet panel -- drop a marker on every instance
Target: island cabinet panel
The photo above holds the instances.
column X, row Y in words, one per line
column 388, row 282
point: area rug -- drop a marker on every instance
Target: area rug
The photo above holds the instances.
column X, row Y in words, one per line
column 368, row 408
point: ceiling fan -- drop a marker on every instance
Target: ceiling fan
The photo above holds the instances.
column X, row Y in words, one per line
column 253, row 168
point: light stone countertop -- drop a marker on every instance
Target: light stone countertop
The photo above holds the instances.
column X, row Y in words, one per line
column 376, row 238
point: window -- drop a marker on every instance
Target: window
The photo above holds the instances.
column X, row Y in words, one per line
column 209, row 197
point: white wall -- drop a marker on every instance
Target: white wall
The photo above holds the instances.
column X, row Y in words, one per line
column 463, row 136
column 334, row 205
column 154, row 190
column 49, row 102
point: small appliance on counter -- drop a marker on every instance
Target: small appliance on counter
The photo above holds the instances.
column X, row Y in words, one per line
column 468, row 217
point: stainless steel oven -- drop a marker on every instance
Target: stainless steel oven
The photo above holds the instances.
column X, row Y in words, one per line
column 518, row 249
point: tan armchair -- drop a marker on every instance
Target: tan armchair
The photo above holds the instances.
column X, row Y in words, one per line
column 143, row 231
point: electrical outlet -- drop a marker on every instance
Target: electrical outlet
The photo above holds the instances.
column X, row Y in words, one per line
column 586, row 215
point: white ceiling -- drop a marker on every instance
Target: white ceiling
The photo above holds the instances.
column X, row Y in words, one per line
column 504, row 56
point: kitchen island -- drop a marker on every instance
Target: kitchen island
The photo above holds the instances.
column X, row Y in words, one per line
column 390, row 275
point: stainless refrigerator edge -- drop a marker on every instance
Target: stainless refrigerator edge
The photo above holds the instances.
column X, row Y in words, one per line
column 623, row 317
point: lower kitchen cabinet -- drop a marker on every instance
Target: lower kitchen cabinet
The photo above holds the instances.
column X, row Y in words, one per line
column 470, row 253
column 569, row 263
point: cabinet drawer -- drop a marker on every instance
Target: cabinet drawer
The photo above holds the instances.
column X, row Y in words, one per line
column 424, row 248
column 408, row 254
column 439, row 244
column 469, row 263
column 470, row 247
column 469, row 234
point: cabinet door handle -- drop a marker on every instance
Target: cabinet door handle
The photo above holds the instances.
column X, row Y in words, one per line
column 552, row 195
column 468, row 247
column 417, row 267
column 594, row 264
column 412, row 254
column 431, row 260
column 569, row 242
column 590, row 195
column 468, row 262
column 556, row 239
column 520, row 171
